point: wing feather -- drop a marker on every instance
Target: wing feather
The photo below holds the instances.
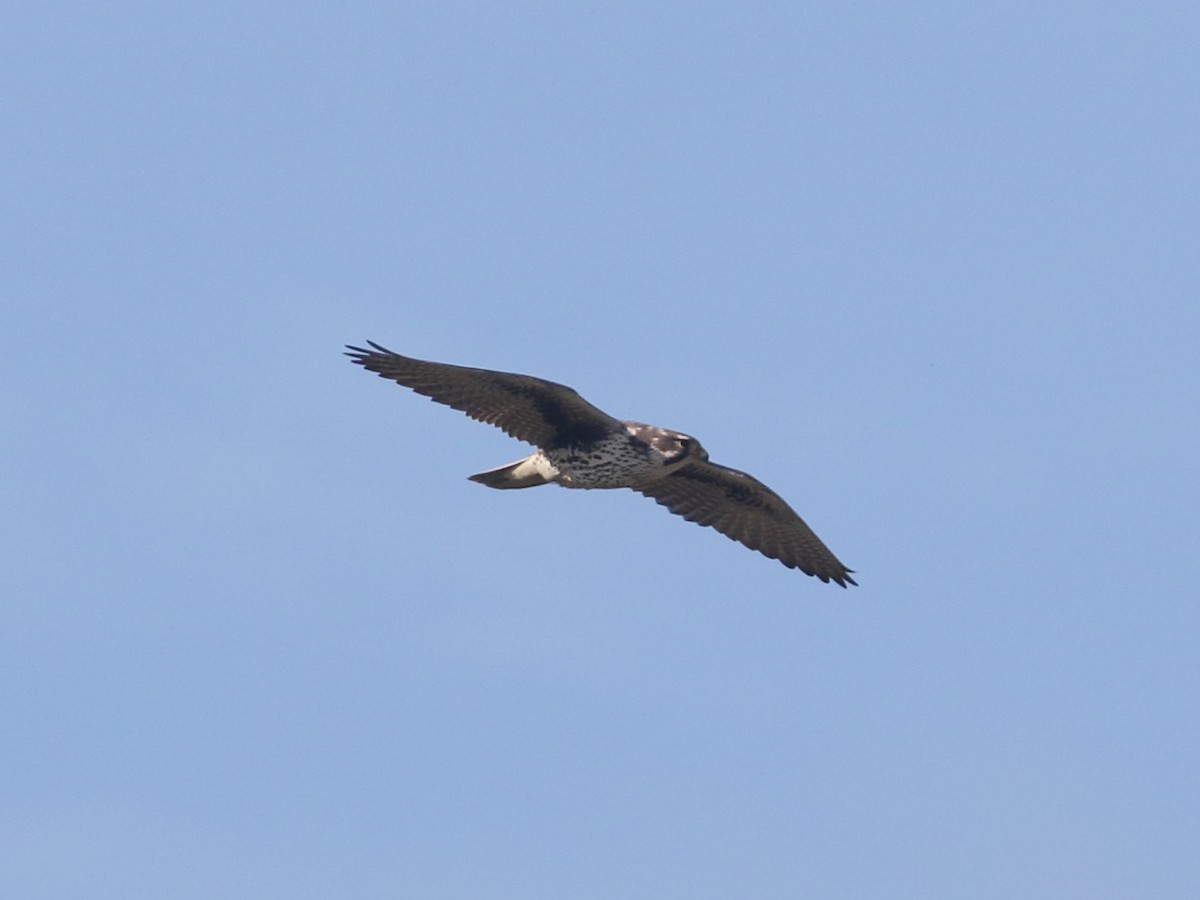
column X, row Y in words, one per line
column 530, row 409
column 744, row 509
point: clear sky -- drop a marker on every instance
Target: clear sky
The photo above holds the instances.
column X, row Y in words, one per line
column 928, row 269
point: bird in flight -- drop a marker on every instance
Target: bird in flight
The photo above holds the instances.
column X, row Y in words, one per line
column 579, row 446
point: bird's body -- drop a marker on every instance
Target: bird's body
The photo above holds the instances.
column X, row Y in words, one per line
column 579, row 446
column 636, row 455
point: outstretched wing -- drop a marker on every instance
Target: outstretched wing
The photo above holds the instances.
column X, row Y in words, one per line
column 530, row 409
column 743, row 508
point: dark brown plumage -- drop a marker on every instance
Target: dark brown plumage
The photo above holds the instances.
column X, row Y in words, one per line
column 580, row 446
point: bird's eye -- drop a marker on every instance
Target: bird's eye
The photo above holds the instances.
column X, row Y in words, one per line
column 689, row 448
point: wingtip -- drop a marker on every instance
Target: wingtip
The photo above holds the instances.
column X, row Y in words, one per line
column 842, row 579
column 358, row 353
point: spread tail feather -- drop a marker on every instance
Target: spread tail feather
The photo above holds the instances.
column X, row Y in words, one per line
column 528, row 472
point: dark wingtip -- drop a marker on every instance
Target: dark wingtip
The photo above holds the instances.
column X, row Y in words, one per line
column 841, row 579
column 358, row 354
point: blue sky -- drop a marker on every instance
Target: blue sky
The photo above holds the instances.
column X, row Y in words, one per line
column 928, row 269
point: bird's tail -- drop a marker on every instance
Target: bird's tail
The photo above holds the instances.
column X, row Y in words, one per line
column 528, row 472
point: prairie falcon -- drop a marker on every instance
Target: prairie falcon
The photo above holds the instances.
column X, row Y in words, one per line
column 579, row 446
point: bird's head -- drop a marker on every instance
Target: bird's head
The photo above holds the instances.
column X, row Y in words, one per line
column 675, row 446
column 690, row 450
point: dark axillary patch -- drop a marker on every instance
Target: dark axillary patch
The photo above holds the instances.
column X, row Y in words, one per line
column 738, row 493
column 567, row 429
